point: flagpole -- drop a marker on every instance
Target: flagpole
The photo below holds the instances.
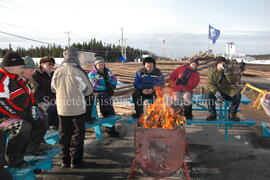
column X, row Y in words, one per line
column 208, row 46
column 208, row 38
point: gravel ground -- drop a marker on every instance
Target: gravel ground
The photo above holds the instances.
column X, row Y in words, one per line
column 245, row 156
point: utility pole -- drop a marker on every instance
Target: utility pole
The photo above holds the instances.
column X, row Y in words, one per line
column 68, row 38
column 150, row 49
column 163, row 47
column 123, row 49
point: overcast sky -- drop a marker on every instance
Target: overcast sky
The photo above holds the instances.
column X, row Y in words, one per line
column 183, row 24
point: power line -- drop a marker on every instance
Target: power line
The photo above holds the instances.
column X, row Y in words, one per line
column 30, row 39
column 49, row 35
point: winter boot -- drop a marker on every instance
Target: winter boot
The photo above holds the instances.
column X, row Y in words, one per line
column 188, row 112
column 211, row 117
column 111, row 132
column 233, row 117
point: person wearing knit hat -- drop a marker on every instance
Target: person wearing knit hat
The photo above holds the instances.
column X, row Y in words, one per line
column 145, row 81
column 220, row 60
column 29, row 63
column 99, row 60
column 29, row 67
column 183, row 81
column 14, row 110
column 38, row 122
column 13, row 63
column 149, row 60
column 104, row 83
column 222, row 85
column 12, row 59
column 196, row 61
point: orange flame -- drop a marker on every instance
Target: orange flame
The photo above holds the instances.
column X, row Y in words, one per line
column 160, row 114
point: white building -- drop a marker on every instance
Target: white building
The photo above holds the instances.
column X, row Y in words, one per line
column 231, row 53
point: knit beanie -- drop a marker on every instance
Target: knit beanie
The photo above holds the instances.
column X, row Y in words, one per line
column 149, row 60
column 12, row 59
column 194, row 61
column 220, row 59
column 29, row 63
column 99, row 60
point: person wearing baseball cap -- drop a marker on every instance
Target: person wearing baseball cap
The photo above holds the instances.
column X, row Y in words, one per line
column 13, row 115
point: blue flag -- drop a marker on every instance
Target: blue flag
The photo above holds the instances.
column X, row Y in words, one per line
column 213, row 34
column 122, row 59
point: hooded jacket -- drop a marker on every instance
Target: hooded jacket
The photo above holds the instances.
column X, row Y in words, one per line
column 71, row 85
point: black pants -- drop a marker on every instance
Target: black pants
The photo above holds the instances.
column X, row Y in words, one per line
column 106, row 107
column 40, row 127
column 211, row 100
column 138, row 97
column 53, row 116
column 17, row 144
column 3, row 138
column 72, row 133
column 4, row 174
column 105, row 104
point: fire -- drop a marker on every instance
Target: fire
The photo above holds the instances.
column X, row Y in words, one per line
column 160, row 114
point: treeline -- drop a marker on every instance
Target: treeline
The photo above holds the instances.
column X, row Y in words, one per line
column 110, row 52
column 261, row 56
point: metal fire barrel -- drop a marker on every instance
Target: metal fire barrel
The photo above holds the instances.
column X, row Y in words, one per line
column 160, row 152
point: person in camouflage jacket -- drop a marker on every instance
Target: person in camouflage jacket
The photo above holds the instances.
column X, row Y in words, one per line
column 222, row 85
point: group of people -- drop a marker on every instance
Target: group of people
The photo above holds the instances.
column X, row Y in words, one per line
column 33, row 99
column 221, row 85
column 20, row 115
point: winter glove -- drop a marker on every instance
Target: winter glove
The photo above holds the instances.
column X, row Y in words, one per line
column 35, row 113
column 219, row 96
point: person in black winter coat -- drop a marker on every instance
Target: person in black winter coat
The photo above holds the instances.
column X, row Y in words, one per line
column 41, row 84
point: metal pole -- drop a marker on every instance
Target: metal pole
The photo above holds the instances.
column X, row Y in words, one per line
column 122, row 42
column 68, row 38
column 163, row 48
column 208, row 46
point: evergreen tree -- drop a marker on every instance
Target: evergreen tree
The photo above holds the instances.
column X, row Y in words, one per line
column 110, row 52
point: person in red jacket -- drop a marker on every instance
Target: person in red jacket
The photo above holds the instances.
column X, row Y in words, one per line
column 13, row 115
column 183, row 80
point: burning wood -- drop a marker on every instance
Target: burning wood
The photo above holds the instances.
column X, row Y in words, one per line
column 160, row 114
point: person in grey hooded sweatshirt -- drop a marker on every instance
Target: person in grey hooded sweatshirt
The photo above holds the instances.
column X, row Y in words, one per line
column 71, row 85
